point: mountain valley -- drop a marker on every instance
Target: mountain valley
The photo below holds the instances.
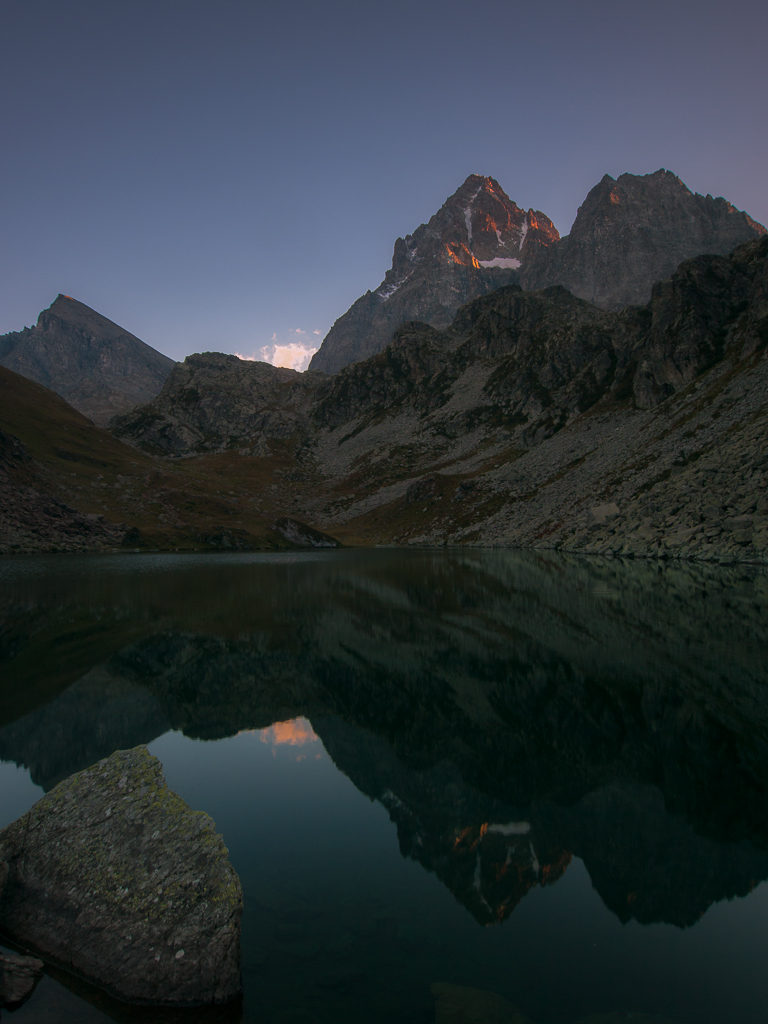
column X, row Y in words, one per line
column 523, row 418
column 534, row 419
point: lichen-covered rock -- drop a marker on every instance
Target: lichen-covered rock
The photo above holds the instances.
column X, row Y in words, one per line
column 18, row 977
column 112, row 876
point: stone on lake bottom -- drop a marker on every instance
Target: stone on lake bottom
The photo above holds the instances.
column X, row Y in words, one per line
column 113, row 877
column 619, row 1017
column 455, row 1004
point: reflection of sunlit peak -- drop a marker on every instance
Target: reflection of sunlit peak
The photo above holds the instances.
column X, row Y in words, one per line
column 295, row 733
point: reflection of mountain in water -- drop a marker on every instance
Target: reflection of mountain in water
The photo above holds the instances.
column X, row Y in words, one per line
column 509, row 711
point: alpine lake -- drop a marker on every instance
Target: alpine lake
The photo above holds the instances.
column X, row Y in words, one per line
column 536, row 776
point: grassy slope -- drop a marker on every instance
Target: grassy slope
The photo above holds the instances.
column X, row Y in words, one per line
column 192, row 504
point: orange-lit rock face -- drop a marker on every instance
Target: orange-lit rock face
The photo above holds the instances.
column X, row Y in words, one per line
column 479, row 226
column 457, row 252
column 478, row 241
column 496, row 228
column 491, row 867
column 295, row 733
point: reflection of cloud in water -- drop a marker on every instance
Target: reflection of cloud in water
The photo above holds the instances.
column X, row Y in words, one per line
column 294, row 733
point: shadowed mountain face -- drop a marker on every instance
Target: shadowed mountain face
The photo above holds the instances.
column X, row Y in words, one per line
column 98, row 367
column 628, row 234
column 509, row 711
column 633, row 231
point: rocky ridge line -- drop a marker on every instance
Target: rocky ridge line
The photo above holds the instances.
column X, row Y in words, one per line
column 633, row 231
column 96, row 365
column 628, row 234
column 475, row 243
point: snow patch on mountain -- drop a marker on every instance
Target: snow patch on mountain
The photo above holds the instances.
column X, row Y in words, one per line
column 508, row 264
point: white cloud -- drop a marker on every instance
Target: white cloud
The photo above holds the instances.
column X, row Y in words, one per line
column 316, row 332
column 293, row 354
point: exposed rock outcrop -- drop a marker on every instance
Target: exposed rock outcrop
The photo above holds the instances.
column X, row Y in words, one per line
column 475, row 243
column 536, row 418
column 303, row 536
column 97, row 366
column 213, row 401
column 633, row 231
column 628, row 234
column 113, row 877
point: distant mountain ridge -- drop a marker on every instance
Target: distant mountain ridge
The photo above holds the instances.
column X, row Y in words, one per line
column 97, row 366
column 628, row 234
column 633, row 231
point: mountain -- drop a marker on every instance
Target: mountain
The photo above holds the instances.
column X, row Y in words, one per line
column 633, row 231
column 98, row 367
column 475, row 243
column 628, row 234
column 534, row 419
column 248, row 399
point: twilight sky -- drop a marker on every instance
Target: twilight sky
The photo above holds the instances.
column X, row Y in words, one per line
column 229, row 175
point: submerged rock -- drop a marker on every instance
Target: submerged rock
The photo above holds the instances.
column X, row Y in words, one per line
column 18, row 977
column 113, row 877
column 455, row 1004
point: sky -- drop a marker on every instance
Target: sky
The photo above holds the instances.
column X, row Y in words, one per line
column 230, row 176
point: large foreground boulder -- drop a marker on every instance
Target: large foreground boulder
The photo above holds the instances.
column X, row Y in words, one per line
column 113, row 877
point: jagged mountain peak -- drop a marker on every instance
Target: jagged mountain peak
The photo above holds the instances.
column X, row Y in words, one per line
column 77, row 315
column 476, row 242
column 478, row 226
column 628, row 233
column 634, row 230
column 96, row 365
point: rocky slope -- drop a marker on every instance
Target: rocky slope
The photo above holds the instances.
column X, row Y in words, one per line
column 67, row 485
column 212, row 396
column 31, row 518
column 476, row 242
column 98, row 367
column 633, row 231
column 628, row 234
column 534, row 419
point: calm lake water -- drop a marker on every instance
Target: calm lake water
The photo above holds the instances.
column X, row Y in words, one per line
column 538, row 776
